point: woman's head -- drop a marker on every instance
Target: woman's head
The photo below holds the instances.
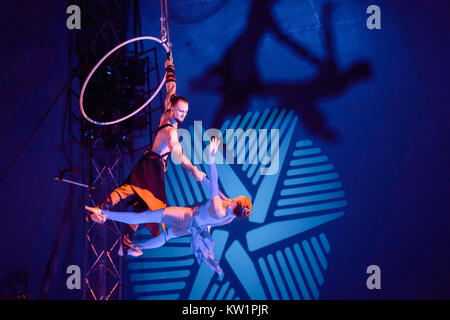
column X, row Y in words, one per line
column 241, row 206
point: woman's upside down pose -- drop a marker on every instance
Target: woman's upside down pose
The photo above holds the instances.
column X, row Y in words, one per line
column 194, row 221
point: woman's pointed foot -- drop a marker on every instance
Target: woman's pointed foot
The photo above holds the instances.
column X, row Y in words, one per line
column 96, row 215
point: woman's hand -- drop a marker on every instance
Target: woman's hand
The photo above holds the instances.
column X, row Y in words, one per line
column 213, row 146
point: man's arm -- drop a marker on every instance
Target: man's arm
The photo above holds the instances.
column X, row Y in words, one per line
column 171, row 137
column 171, row 82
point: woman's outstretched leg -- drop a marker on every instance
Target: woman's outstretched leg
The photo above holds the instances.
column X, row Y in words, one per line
column 100, row 216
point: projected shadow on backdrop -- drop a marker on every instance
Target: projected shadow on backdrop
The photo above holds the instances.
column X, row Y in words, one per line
column 281, row 251
column 237, row 78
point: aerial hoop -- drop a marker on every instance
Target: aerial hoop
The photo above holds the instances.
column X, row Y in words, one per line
column 166, row 48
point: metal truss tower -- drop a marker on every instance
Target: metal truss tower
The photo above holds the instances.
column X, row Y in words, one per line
column 107, row 150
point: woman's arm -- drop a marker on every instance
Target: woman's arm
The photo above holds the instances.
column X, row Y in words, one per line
column 211, row 184
column 214, row 176
column 207, row 184
column 217, row 209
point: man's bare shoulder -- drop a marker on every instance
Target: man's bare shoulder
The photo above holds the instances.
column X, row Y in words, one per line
column 167, row 130
column 171, row 130
column 168, row 133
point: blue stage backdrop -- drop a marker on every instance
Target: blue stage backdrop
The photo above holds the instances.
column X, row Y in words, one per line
column 359, row 150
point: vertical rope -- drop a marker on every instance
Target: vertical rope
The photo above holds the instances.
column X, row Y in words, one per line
column 167, row 24
column 162, row 19
column 165, row 33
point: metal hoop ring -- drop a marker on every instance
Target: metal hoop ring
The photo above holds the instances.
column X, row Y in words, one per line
column 166, row 48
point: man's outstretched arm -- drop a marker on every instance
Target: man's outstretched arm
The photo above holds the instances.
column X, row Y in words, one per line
column 171, row 136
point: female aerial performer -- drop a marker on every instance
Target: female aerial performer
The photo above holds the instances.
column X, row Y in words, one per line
column 196, row 221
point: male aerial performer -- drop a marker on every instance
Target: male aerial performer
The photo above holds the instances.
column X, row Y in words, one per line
column 194, row 221
column 146, row 180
